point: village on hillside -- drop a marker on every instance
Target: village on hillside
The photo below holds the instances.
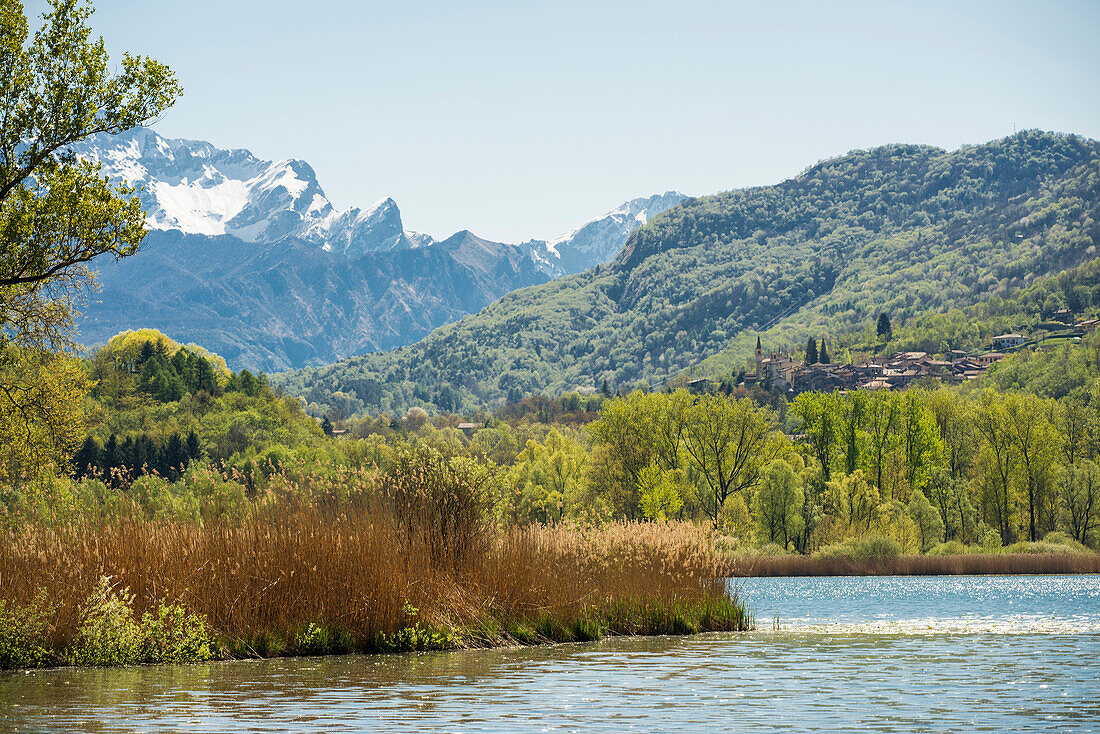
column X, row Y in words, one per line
column 779, row 371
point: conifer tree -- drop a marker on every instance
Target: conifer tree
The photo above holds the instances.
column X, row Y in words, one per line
column 884, row 330
column 823, row 354
column 87, row 458
column 811, row 351
column 194, row 450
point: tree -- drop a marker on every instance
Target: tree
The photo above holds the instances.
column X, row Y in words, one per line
column 821, row 422
column 950, row 497
column 87, row 458
column 1080, row 495
column 823, row 354
column 57, row 213
column 928, row 520
column 777, row 506
column 626, row 431
column 728, row 443
column 997, row 463
column 884, row 330
column 660, row 493
column 811, row 351
column 1034, row 441
column 194, row 450
column 326, row 426
column 852, row 500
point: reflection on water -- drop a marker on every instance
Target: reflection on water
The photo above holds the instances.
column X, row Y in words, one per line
column 878, row 654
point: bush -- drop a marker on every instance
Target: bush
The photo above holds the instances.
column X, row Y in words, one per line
column 1045, row 547
column 172, row 635
column 109, row 633
column 1057, row 537
column 769, row 550
column 952, row 548
column 24, row 632
column 865, row 548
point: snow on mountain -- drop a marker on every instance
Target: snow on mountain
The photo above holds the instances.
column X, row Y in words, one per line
column 599, row 240
column 196, row 188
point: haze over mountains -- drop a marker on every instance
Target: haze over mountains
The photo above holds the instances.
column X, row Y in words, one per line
column 249, row 258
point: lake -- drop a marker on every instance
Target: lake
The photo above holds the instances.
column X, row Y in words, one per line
column 882, row 654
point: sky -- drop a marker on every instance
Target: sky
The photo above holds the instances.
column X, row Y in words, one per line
column 525, row 119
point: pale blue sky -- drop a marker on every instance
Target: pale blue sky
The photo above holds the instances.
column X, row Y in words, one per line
column 523, row 119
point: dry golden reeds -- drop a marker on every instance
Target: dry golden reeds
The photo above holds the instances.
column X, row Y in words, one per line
column 368, row 569
column 967, row 564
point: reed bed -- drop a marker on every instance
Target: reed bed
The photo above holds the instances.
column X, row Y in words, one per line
column 371, row 573
column 945, row 565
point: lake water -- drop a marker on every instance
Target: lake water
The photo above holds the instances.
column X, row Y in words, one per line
column 883, row 654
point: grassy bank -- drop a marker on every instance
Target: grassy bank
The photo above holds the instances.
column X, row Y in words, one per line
column 403, row 569
column 932, row 565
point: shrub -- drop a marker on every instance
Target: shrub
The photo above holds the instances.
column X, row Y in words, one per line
column 172, row 635
column 108, row 633
column 1048, row 546
column 865, row 548
column 1057, row 537
column 952, row 548
column 24, row 631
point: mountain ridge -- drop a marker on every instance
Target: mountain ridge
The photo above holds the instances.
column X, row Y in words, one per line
column 904, row 229
column 253, row 212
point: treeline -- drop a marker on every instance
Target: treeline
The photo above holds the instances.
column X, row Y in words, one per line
column 117, row 461
column 978, row 467
column 157, row 406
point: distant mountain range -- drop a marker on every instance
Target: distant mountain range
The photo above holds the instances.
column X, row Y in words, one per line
column 250, row 259
column 901, row 229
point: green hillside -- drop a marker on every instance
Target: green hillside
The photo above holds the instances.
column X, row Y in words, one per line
column 904, row 229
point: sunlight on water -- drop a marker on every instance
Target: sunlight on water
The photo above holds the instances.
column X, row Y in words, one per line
column 871, row 654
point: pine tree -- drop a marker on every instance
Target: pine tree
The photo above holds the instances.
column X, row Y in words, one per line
column 326, row 426
column 111, row 457
column 175, row 456
column 87, row 458
column 811, row 351
column 194, row 450
column 884, row 330
column 823, row 354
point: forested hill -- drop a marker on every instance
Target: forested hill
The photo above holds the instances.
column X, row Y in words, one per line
column 903, row 229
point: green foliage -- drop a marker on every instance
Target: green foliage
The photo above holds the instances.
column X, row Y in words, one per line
column 660, row 493
column 171, row 634
column 902, row 230
column 928, row 520
column 865, row 548
column 777, row 505
column 111, row 634
column 24, row 633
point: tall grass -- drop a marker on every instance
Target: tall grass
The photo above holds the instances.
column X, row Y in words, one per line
column 415, row 564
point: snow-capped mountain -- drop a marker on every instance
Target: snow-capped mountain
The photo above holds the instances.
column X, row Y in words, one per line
column 195, row 188
column 249, row 258
column 599, row 240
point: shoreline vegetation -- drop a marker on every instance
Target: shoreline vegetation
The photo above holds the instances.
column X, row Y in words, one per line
column 976, row 564
column 404, row 561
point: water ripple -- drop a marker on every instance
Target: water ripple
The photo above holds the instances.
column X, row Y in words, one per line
column 883, row 655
